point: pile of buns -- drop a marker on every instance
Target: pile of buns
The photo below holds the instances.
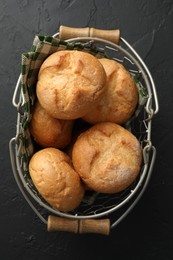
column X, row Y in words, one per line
column 81, row 106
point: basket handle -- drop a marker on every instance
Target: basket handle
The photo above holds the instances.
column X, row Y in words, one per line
column 70, row 32
column 98, row 226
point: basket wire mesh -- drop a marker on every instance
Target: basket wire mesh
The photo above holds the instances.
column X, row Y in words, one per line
column 94, row 205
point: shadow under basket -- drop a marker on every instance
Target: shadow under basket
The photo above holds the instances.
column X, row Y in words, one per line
column 98, row 213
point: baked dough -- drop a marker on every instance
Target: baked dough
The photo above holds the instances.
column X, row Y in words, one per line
column 69, row 83
column 48, row 131
column 55, row 179
column 107, row 157
column 120, row 98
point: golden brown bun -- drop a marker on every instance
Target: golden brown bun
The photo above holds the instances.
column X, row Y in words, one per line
column 120, row 99
column 55, row 179
column 48, row 131
column 69, row 83
column 107, row 157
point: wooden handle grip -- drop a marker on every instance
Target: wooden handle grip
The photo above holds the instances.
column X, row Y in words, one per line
column 99, row 226
column 69, row 32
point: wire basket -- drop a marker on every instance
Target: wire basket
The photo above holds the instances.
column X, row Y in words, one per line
column 90, row 215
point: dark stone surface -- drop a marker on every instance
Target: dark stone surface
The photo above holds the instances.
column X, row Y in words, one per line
column 147, row 233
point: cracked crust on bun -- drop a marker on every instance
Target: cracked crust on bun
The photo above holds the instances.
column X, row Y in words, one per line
column 107, row 157
column 55, row 179
column 69, row 84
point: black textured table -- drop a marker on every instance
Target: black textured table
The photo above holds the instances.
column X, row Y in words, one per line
column 147, row 232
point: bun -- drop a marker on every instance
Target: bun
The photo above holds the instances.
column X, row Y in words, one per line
column 69, row 83
column 48, row 131
column 120, row 98
column 55, row 179
column 107, row 157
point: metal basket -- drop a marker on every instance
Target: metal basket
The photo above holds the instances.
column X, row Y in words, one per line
column 95, row 206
